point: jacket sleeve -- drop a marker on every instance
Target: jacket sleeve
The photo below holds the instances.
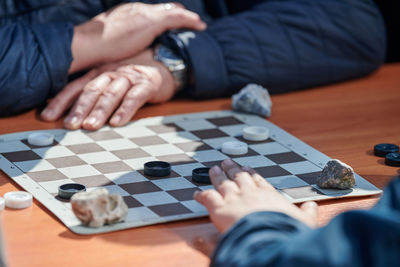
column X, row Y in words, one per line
column 34, row 63
column 284, row 45
column 356, row 238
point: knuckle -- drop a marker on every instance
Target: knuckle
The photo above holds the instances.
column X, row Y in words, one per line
column 132, row 94
column 237, row 176
column 100, row 109
column 258, row 180
column 96, row 84
column 129, row 72
column 234, row 173
column 137, row 93
column 111, row 93
column 80, row 108
column 125, row 68
column 124, row 109
column 226, row 184
column 92, row 87
column 78, row 112
column 178, row 14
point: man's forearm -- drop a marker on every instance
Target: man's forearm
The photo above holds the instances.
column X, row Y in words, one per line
column 86, row 46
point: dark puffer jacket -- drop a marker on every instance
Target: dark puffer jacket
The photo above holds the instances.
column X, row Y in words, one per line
column 283, row 45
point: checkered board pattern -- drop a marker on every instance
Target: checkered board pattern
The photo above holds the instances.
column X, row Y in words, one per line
column 113, row 158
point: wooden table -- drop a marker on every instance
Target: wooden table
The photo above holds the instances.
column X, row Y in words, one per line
column 344, row 121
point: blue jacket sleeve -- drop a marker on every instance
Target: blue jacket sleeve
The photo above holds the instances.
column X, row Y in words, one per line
column 285, row 45
column 34, row 62
column 356, row 238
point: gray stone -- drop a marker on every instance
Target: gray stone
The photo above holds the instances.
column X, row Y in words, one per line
column 254, row 99
column 336, row 175
column 98, row 207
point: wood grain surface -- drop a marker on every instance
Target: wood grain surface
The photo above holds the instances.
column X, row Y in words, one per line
column 344, row 121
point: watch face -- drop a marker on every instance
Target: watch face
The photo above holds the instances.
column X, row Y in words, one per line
column 167, row 53
column 172, row 61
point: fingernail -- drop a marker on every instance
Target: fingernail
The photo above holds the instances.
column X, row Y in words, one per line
column 116, row 119
column 71, row 120
column 215, row 170
column 47, row 113
column 228, row 162
column 91, row 121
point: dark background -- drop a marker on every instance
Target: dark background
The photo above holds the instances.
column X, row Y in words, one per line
column 391, row 13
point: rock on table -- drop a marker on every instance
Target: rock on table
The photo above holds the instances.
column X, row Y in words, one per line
column 336, row 175
column 98, row 207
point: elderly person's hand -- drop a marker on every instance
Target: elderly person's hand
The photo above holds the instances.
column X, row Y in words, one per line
column 126, row 30
column 240, row 191
column 113, row 91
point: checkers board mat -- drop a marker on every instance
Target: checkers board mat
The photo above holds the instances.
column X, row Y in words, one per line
column 113, row 158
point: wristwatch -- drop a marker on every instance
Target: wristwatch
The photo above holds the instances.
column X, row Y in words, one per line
column 174, row 63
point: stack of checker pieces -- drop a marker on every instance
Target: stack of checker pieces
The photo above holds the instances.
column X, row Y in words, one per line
column 113, row 158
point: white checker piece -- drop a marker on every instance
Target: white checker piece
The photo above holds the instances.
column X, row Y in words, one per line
column 126, row 177
column 141, row 214
column 133, row 132
column 235, row 148
column 207, row 155
column 79, row 171
column 216, row 143
column 255, row 133
column 194, row 206
column 269, row 148
column 288, row 181
column 73, row 138
column 98, row 157
column 186, row 169
column 13, row 147
column 300, row 167
column 52, row 186
column 193, row 125
column 17, row 200
column 155, row 198
column 254, row 161
column 178, row 137
column 40, row 139
column 138, row 164
column 117, row 144
column 53, row 152
column 162, row 150
column 34, row 165
column 173, row 183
